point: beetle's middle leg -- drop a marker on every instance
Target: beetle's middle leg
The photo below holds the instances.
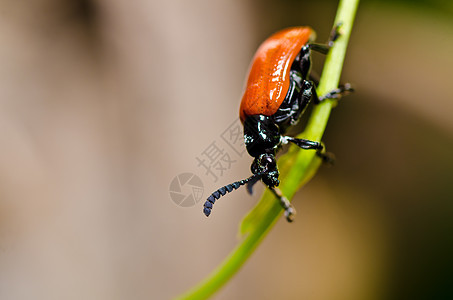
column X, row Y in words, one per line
column 337, row 93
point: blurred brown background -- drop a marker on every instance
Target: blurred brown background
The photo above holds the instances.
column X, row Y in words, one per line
column 103, row 103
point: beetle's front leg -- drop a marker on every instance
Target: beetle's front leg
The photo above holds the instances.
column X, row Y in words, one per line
column 303, row 143
column 290, row 211
column 326, row 157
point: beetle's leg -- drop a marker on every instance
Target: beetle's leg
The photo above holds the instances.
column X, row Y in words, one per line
column 337, row 93
column 303, row 143
column 334, row 34
column 308, row 87
column 290, row 211
column 321, row 48
column 324, row 48
column 326, row 157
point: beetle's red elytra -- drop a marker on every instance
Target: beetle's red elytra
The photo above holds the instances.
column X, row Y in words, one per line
column 268, row 80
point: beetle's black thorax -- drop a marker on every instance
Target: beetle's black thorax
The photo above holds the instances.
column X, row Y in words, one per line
column 261, row 135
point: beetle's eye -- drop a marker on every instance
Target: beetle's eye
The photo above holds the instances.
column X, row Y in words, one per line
column 269, row 162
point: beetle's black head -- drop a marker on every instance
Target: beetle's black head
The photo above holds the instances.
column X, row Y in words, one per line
column 266, row 165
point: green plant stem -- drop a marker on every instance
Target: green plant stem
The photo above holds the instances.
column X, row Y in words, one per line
column 296, row 167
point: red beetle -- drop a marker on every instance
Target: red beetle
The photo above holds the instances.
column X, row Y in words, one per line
column 278, row 91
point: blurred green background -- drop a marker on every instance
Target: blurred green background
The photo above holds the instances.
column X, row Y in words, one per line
column 103, row 103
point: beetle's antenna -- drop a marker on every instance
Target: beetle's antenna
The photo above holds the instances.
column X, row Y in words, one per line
column 227, row 189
